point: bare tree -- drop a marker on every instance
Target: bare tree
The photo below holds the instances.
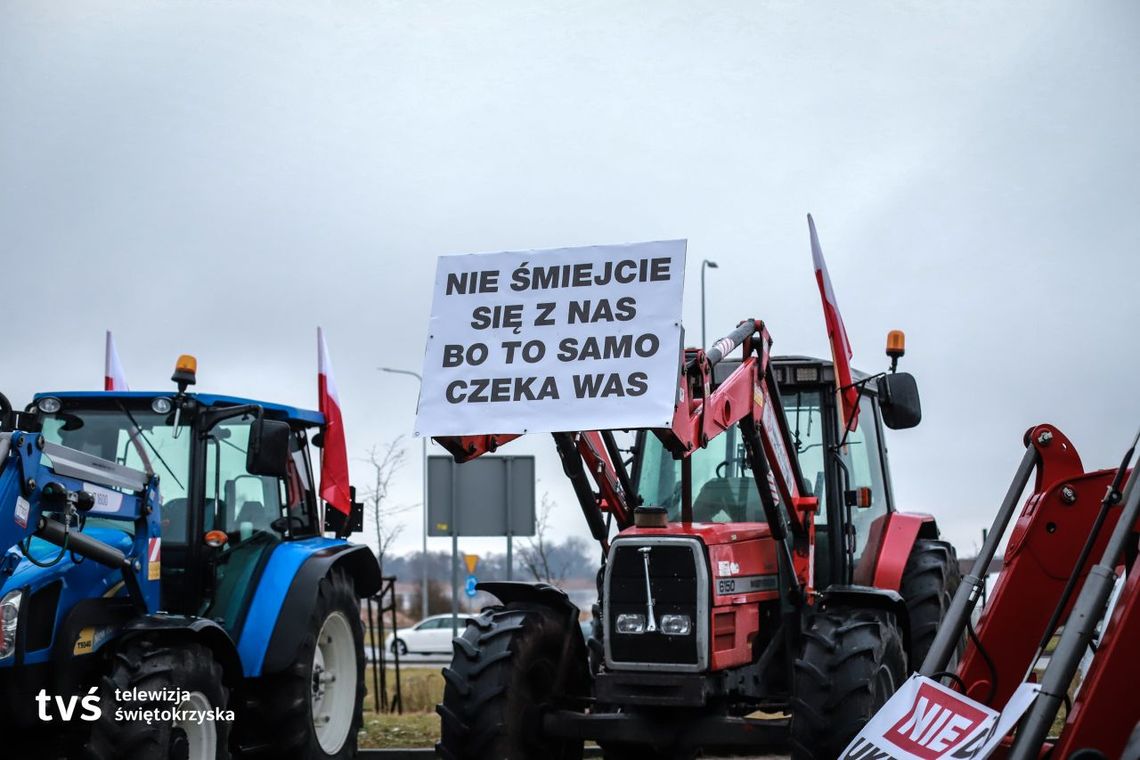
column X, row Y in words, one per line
column 385, row 461
column 537, row 555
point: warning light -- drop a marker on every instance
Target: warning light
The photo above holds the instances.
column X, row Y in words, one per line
column 185, row 372
column 896, row 346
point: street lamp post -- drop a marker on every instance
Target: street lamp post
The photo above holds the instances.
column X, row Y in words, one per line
column 710, row 265
column 424, row 488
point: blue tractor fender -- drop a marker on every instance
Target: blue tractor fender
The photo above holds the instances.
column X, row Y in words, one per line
column 280, row 609
column 189, row 628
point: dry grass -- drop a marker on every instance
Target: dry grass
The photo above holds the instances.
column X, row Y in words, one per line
column 421, row 689
column 410, row 730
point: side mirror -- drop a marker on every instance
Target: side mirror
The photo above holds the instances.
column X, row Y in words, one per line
column 268, row 449
column 898, row 401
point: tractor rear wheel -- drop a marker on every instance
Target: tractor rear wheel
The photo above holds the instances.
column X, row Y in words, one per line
column 504, row 669
column 851, row 664
column 312, row 709
column 929, row 582
column 163, row 669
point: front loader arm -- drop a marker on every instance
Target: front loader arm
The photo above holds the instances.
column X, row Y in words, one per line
column 748, row 397
column 43, row 487
column 749, row 393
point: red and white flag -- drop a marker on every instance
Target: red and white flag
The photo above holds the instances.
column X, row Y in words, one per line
column 836, row 335
column 334, row 454
column 114, row 379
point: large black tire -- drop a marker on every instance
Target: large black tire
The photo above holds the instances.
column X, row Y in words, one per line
column 929, row 582
column 502, row 674
column 155, row 666
column 281, row 705
column 852, row 662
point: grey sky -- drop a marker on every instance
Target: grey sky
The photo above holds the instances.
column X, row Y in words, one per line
column 219, row 178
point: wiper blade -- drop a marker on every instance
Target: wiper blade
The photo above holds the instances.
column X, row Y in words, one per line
column 137, row 431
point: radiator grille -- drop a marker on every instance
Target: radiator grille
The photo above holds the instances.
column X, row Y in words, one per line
column 679, row 579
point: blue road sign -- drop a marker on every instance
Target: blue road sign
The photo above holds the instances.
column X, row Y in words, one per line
column 469, row 587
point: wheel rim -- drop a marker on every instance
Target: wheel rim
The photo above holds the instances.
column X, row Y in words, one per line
column 334, row 683
column 190, row 739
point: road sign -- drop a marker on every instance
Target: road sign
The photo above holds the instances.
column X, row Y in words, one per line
column 469, row 587
column 490, row 496
column 472, row 561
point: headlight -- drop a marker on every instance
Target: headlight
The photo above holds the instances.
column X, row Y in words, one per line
column 630, row 623
column 161, row 405
column 9, row 616
column 676, row 625
column 49, row 405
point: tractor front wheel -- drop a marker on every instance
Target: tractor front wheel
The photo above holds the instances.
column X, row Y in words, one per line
column 156, row 671
column 313, row 708
column 851, row 664
column 505, row 668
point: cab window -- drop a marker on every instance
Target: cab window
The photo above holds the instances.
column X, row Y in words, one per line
column 137, row 438
column 724, row 489
column 863, row 457
column 237, row 502
column 803, row 410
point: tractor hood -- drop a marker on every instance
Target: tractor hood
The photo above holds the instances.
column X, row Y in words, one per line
column 84, row 573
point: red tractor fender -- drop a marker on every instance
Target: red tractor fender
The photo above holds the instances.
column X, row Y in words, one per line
column 888, row 547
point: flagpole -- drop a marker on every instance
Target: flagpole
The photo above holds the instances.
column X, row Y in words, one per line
column 710, row 265
column 424, row 490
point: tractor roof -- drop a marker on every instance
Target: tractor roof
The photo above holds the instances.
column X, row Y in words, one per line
column 306, row 416
column 825, row 364
column 789, row 358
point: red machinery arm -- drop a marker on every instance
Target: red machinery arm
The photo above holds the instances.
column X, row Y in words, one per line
column 1042, row 552
column 1103, row 715
column 748, row 397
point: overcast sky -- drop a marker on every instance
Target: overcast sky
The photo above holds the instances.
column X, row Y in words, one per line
column 220, row 178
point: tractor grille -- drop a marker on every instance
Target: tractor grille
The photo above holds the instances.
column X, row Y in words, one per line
column 679, row 579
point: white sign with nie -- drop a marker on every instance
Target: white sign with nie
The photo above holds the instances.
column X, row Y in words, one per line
column 925, row 720
column 562, row 339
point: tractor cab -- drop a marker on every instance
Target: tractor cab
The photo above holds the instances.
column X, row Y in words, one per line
column 235, row 480
column 851, row 482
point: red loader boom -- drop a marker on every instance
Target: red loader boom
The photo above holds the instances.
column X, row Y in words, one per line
column 1072, row 517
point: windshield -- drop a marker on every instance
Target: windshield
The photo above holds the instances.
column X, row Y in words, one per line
column 110, row 432
column 723, row 487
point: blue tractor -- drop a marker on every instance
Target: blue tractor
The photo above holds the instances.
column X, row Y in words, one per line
column 167, row 588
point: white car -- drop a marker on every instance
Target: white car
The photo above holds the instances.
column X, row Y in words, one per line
column 429, row 636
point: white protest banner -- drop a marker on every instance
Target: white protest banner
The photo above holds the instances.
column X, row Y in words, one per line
column 924, row 720
column 562, row 339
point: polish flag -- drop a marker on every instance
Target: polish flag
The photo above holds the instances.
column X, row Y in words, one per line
column 114, row 379
column 837, row 335
column 334, row 453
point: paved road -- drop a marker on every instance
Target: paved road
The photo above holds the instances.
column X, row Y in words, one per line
column 411, row 659
column 425, row 754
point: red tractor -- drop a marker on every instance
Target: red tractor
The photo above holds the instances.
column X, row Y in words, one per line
column 762, row 592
